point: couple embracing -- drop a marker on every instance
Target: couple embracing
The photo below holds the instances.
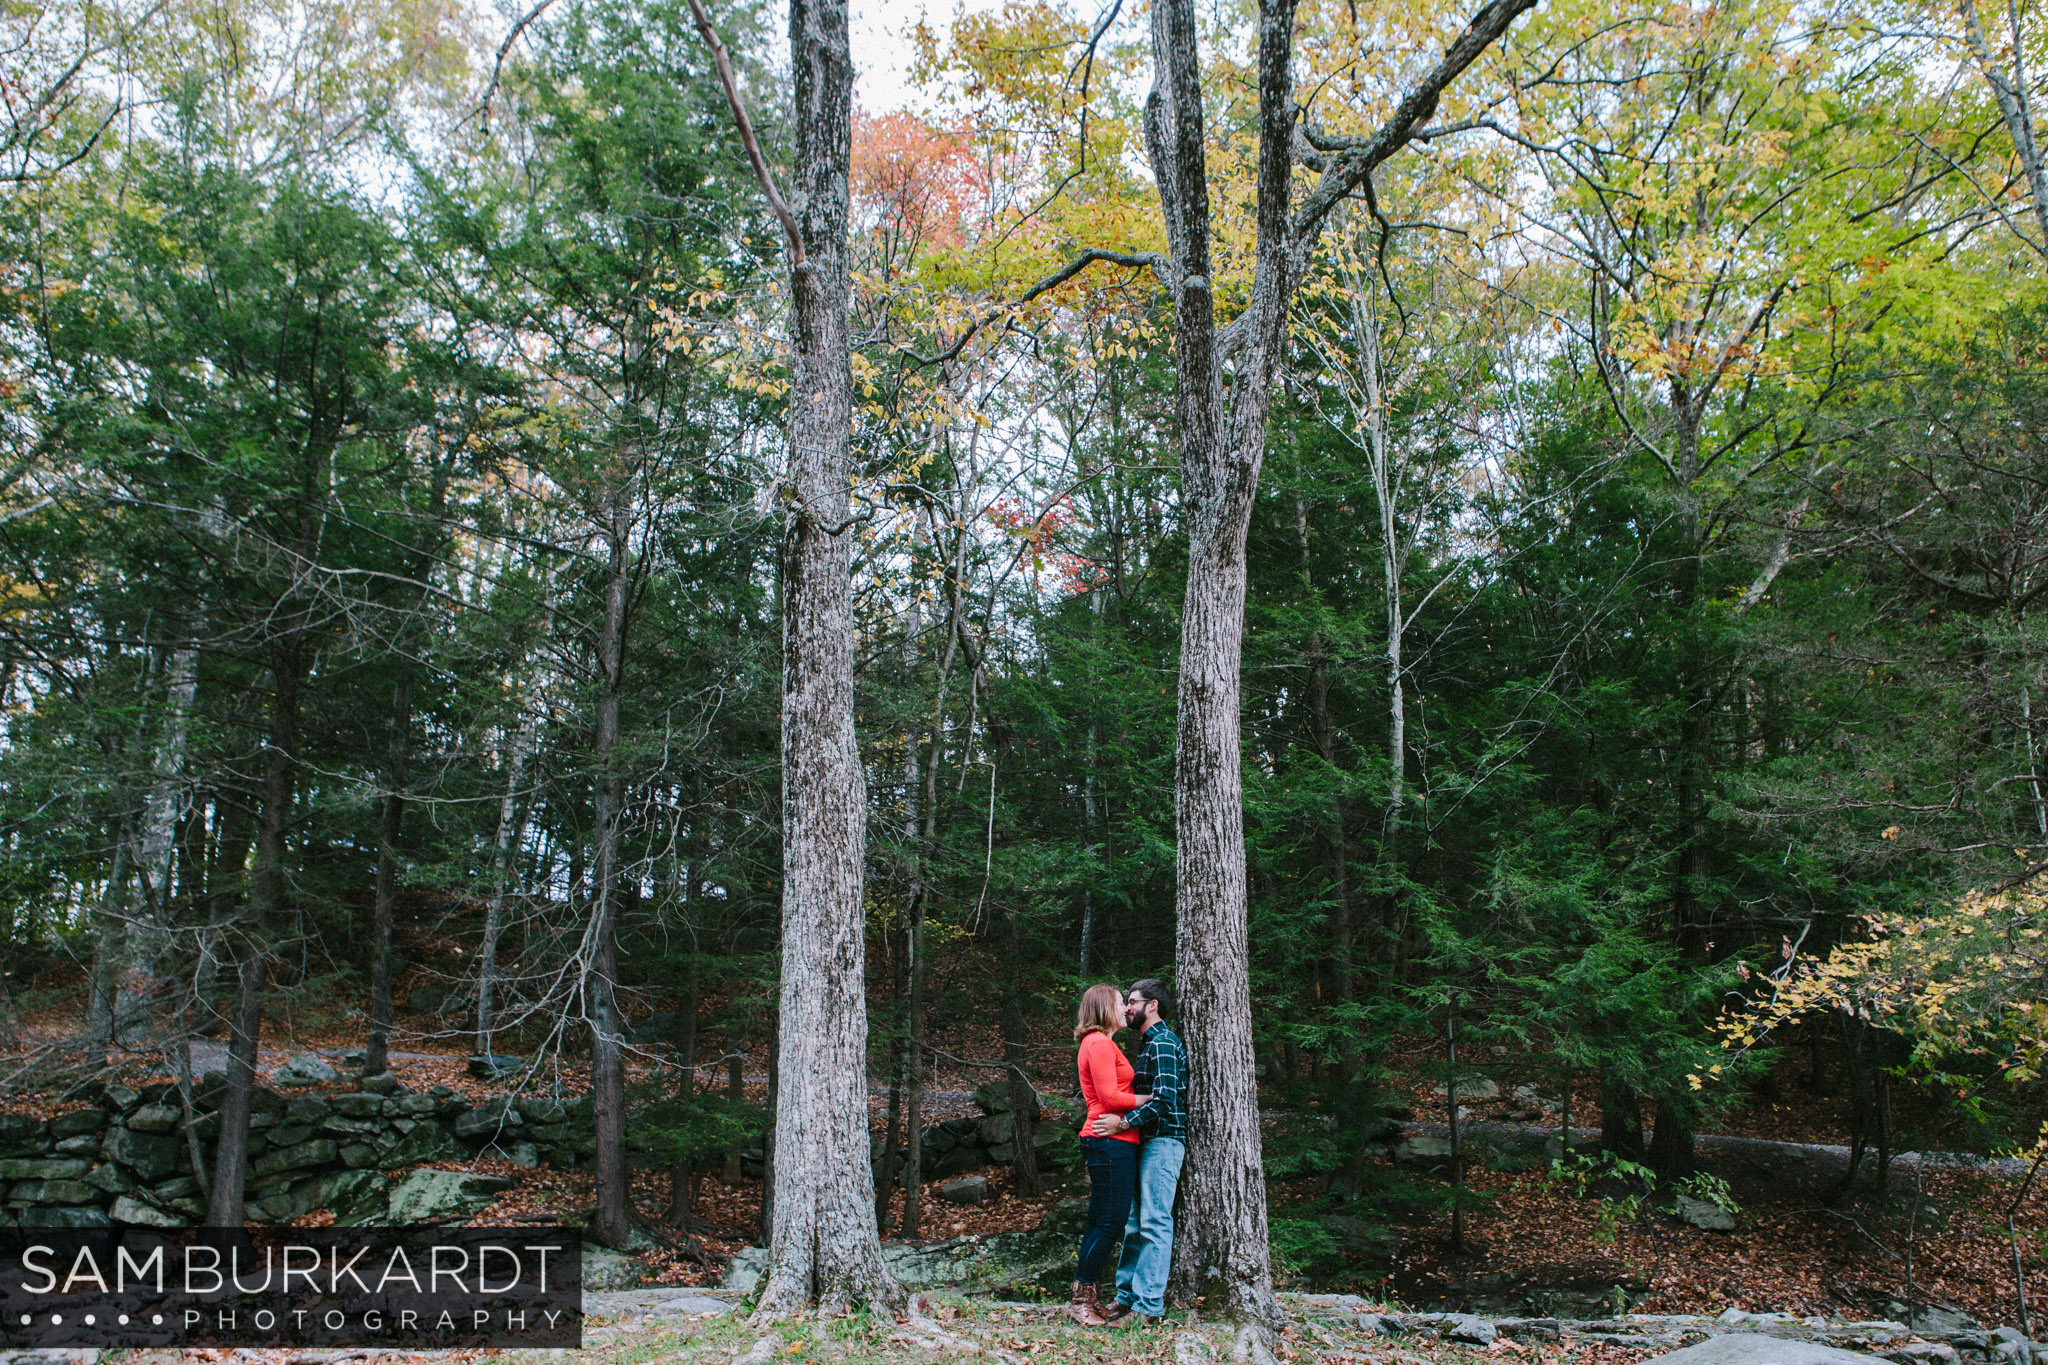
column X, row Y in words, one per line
column 1133, row 1141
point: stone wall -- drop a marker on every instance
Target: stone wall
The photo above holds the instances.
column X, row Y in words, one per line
column 129, row 1159
column 959, row 1145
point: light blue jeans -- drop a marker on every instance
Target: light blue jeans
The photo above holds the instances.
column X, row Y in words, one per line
column 1148, row 1236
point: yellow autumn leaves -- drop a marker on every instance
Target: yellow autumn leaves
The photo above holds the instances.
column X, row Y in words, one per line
column 1965, row 978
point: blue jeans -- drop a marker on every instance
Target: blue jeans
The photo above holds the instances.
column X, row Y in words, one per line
column 1148, row 1236
column 1112, row 1180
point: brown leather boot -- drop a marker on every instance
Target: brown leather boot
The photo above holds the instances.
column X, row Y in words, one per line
column 1082, row 1305
column 1113, row 1312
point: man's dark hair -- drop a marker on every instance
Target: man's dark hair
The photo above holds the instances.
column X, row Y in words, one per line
column 1152, row 988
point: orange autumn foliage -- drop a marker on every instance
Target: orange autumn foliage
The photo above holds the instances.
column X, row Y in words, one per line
column 915, row 186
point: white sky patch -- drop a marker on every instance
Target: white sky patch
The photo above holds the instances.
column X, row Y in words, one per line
column 880, row 33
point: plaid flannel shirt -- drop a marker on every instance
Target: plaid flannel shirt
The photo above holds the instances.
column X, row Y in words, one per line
column 1161, row 1074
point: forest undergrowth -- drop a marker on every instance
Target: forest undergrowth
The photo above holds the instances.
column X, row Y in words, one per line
column 1800, row 1245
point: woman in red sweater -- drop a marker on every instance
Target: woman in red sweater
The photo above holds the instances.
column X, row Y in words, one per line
column 1112, row 1161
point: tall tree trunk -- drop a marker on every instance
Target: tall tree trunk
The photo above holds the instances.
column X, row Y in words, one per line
column 1220, row 1248
column 1457, row 1130
column 1621, row 1118
column 1088, row 812
column 890, row 1167
column 1370, row 414
column 613, row 1223
column 1016, row 1052
column 1672, row 1141
column 889, row 1163
column 1224, row 1246
column 511, row 835
column 141, row 977
column 913, row 1081
column 1856, row 1069
column 682, row 1175
column 768, row 1139
column 1672, row 1144
column 376, row 1054
column 226, row 878
column 266, row 896
column 914, row 1011
column 114, row 914
column 824, row 1248
column 735, row 1081
column 2009, row 89
column 1351, row 1095
column 1386, row 485
column 1564, row 1118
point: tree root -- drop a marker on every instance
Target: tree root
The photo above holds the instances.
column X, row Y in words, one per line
column 920, row 1328
column 761, row 1352
column 1252, row 1345
column 688, row 1245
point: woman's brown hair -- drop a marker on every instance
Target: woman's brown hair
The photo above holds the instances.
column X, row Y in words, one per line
column 1102, row 1011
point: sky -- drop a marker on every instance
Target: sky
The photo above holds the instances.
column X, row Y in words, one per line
column 881, row 51
column 881, row 48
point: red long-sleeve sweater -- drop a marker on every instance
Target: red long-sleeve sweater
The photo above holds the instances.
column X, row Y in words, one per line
column 1105, row 1082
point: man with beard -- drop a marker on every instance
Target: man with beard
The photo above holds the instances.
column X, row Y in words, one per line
column 1160, row 1074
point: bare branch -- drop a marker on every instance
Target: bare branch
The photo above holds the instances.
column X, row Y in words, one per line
column 747, row 138
column 505, row 50
column 1134, row 259
column 1361, row 157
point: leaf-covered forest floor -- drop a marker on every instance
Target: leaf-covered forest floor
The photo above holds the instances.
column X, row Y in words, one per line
column 949, row 1327
column 957, row 1327
column 1528, row 1238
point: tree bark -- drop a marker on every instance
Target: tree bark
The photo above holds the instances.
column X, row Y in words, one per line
column 141, row 982
column 1222, row 1252
column 225, row 879
column 682, row 1175
column 1223, row 1249
column 913, row 1076
column 1857, row 1072
column 735, row 1081
column 824, row 1246
column 1457, row 1130
column 266, row 894
column 1386, row 484
column 890, row 1167
column 1088, row 810
column 1016, row 1051
column 1621, row 1118
column 101, row 1030
column 888, row 1164
column 768, row 1139
column 1351, row 1097
column 511, row 834
column 1672, row 1142
column 376, row 1053
column 914, row 1012
column 2015, row 106
column 613, row 1223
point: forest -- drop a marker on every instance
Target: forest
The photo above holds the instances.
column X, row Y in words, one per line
column 564, row 553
